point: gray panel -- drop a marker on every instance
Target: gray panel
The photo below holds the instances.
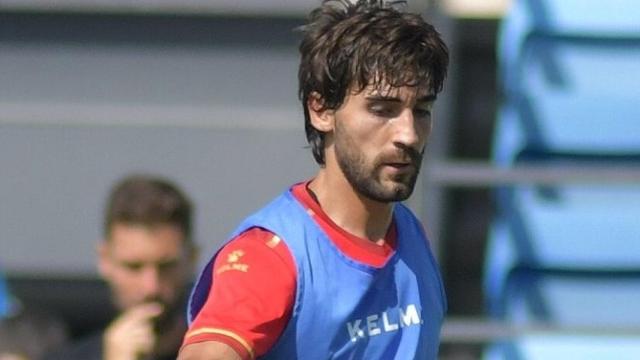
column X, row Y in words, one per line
column 93, row 74
column 54, row 181
column 236, row 7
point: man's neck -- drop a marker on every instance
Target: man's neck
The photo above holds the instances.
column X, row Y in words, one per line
column 348, row 208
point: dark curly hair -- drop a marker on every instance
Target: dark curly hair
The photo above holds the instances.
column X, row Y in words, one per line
column 349, row 45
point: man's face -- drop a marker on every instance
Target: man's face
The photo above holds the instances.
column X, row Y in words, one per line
column 146, row 264
column 379, row 137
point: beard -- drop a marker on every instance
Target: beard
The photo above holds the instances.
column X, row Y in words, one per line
column 368, row 179
column 166, row 318
column 171, row 311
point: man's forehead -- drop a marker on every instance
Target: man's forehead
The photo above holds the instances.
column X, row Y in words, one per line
column 126, row 237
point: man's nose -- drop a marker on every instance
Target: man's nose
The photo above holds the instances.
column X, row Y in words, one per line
column 150, row 281
column 406, row 131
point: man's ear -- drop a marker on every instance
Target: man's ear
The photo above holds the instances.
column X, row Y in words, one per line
column 104, row 261
column 321, row 118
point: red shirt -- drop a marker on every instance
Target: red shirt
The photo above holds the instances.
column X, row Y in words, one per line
column 254, row 282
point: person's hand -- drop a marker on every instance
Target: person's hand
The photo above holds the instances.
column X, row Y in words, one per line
column 131, row 335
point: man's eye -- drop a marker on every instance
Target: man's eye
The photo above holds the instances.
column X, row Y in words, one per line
column 385, row 111
column 167, row 266
column 422, row 113
column 132, row 266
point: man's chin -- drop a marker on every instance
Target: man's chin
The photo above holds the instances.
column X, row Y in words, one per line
column 402, row 192
column 399, row 189
column 388, row 192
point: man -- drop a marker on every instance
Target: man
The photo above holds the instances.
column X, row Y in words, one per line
column 336, row 268
column 146, row 257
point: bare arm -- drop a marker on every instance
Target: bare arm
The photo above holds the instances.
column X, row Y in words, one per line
column 208, row 350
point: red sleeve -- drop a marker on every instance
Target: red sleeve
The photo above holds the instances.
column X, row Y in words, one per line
column 250, row 302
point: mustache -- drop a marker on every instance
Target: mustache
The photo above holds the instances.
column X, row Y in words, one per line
column 403, row 154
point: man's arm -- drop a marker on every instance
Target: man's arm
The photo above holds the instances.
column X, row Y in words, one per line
column 250, row 300
column 208, row 350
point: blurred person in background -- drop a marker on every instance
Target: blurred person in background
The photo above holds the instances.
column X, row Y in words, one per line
column 147, row 258
column 336, row 266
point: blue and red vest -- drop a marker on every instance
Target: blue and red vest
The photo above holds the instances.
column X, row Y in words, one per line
column 345, row 309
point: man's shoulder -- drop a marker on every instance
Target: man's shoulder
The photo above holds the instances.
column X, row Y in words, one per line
column 86, row 348
column 280, row 209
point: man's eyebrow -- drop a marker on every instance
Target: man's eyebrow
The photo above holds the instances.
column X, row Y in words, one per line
column 378, row 97
column 131, row 263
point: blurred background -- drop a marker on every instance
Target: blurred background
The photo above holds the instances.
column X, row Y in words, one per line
column 205, row 93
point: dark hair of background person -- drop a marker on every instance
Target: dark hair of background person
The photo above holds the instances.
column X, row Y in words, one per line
column 348, row 46
column 148, row 201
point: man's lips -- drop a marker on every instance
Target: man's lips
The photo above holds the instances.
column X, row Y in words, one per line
column 401, row 161
column 399, row 166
